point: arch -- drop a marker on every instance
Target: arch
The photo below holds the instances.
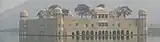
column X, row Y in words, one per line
column 83, row 32
column 110, row 33
column 114, row 32
column 131, row 33
column 118, row 32
column 72, row 33
column 77, row 33
column 122, row 32
column 99, row 32
column 59, row 33
column 92, row 33
column 106, row 32
column 127, row 32
column 103, row 33
column 96, row 33
column 87, row 32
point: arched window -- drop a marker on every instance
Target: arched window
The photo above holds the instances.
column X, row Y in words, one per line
column 72, row 33
column 106, row 32
column 110, row 33
column 77, row 33
column 106, row 15
column 92, row 33
column 114, row 32
column 92, row 25
column 131, row 33
column 102, row 32
column 99, row 16
column 127, row 32
column 87, row 33
column 76, row 24
column 99, row 32
column 118, row 24
column 86, row 25
column 118, row 32
column 122, row 32
column 96, row 33
column 83, row 32
column 106, row 24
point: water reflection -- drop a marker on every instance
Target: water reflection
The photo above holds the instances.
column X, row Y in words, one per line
column 127, row 37
column 114, row 37
column 92, row 37
column 102, row 37
column 122, row 37
column 118, row 37
column 77, row 37
column 106, row 37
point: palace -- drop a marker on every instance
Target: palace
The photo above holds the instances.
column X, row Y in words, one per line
column 96, row 21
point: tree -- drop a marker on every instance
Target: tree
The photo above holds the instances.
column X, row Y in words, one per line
column 66, row 11
column 40, row 14
column 43, row 13
column 54, row 6
column 82, row 9
column 55, row 10
column 123, row 10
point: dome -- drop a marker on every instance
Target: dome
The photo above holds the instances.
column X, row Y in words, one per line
column 54, row 6
column 100, row 10
column 142, row 11
column 57, row 10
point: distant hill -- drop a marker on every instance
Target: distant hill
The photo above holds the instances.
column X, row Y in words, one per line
column 10, row 30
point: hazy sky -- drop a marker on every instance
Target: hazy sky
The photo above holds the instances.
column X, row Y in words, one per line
column 9, row 19
column 8, row 4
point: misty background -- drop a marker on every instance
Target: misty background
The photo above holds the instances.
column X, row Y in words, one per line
column 9, row 9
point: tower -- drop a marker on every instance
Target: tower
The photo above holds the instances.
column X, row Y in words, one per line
column 142, row 15
column 24, row 15
column 23, row 24
column 142, row 26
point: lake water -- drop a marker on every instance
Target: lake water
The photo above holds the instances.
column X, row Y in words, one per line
column 13, row 37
